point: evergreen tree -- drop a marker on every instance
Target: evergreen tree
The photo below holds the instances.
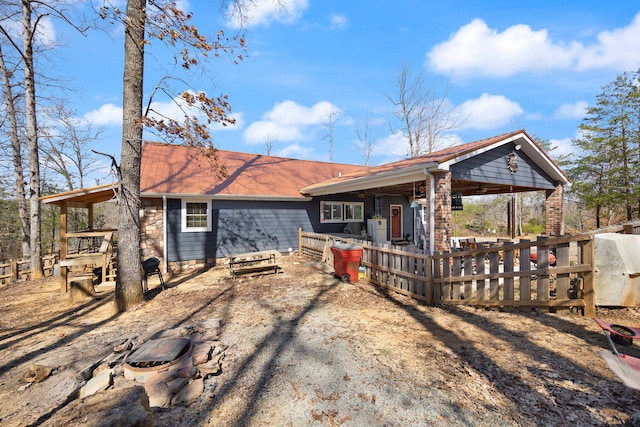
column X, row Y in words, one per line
column 605, row 172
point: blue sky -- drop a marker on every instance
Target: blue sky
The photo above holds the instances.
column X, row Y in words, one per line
column 510, row 65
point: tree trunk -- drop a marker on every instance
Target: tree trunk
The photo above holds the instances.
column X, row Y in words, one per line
column 17, row 158
column 32, row 140
column 129, row 281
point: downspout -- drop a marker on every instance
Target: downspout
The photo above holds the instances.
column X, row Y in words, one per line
column 164, row 234
column 432, row 208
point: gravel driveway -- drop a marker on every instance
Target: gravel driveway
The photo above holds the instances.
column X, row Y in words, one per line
column 305, row 349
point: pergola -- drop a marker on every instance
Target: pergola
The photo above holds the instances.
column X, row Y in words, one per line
column 99, row 255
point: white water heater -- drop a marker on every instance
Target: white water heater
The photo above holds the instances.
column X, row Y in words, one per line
column 377, row 230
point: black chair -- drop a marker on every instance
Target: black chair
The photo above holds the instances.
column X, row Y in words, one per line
column 151, row 267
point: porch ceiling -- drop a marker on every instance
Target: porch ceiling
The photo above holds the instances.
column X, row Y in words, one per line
column 466, row 188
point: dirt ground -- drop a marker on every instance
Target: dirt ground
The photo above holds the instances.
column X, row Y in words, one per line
column 305, row 349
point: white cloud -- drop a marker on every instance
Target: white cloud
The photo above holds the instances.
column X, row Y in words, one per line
column 289, row 121
column 289, row 112
column 45, row 31
column 107, row 114
column 571, row 111
column 264, row 130
column 297, row 151
column 476, row 49
column 177, row 108
column 338, row 22
column 618, row 49
column 489, row 111
column 263, row 12
column 391, row 148
column 563, row 146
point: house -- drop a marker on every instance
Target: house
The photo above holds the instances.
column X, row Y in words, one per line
column 190, row 217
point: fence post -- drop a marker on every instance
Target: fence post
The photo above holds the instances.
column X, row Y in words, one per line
column 299, row 240
column 429, row 288
column 14, row 269
column 588, row 292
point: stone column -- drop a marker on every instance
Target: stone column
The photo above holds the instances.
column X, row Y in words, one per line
column 151, row 228
column 442, row 212
column 555, row 211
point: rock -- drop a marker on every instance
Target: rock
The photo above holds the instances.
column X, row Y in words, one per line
column 114, row 358
column 127, row 345
column 113, row 407
column 98, row 383
column 206, row 336
column 86, row 373
column 212, row 323
column 36, row 374
column 189, row 393
column 177, row 384
column 212, row 367
column 201, row 353
column 159, row 394
column 173, row 333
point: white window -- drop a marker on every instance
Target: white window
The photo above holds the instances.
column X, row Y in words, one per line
column 196, row 215
column 353, row 212
column 341, row 211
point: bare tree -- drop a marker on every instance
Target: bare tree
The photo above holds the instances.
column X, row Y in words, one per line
column 66, row 146
column 268, row 146
column 31, row 14
column 332, row 116
column 28, row 34
column 16, row 149
column 423, row 115
column 165, row 22
column 366, row 140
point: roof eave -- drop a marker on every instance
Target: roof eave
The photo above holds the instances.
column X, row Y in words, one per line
column 383, row 179
column 530, row 149
column 238, row 197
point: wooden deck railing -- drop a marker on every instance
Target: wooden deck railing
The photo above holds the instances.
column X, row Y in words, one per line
column 13, row 270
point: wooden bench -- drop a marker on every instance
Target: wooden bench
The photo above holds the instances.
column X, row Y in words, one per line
column 253, row 262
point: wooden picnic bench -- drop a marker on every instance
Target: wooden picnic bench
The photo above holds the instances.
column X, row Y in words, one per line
column 101, row 259
column 253, row 262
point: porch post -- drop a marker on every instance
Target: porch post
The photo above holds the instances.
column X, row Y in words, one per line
column 555, row 211
column 442, row 211
column 64, row 284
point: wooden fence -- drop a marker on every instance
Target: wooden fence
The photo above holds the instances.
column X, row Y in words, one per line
column 14, row 270
column 498, row 275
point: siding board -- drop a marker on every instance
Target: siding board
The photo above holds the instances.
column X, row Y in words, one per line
column 491, row 167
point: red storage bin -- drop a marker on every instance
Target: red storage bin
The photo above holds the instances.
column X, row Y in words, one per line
column 346, row 261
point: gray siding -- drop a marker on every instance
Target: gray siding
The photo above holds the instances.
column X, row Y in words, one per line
column 491, row 167
column 245, row 226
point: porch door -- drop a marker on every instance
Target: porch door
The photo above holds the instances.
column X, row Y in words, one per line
column 396, row 221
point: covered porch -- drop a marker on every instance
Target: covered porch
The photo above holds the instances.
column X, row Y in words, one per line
column 416, row 197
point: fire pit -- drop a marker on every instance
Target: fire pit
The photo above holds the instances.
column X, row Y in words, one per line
column 154, row 355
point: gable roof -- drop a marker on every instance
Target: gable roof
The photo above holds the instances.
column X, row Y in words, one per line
column 179, row 170
column 415, row 169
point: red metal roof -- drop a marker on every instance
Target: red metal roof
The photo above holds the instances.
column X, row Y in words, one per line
column 178, row 169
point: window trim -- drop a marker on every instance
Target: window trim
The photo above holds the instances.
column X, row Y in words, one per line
column 343, row 207
column 183, row 214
